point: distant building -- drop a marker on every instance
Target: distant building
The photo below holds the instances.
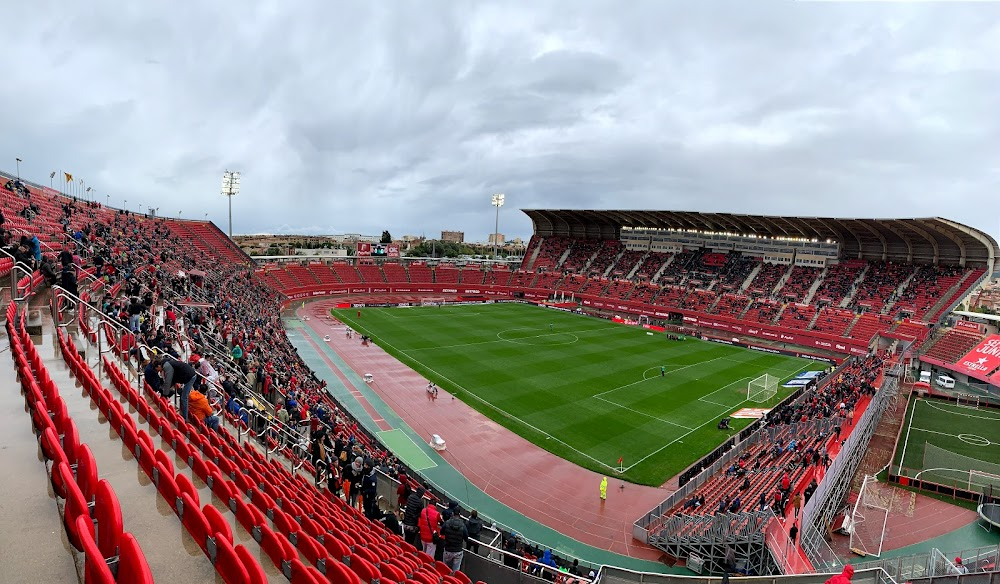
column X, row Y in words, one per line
column 453, row 236
column 495, row 239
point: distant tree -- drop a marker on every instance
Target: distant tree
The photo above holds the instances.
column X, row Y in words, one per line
column 386, row 237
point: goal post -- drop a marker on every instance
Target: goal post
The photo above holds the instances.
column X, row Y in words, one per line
column 967, row 400
column 762, row 389
column 869, row 518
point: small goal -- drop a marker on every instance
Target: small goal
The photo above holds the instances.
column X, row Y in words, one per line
column 762, row 389
column 432, row 302
column 869, row 517
column 967, row 400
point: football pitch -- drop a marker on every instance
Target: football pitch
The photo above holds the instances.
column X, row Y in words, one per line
column 586, row 389
column 942, row 442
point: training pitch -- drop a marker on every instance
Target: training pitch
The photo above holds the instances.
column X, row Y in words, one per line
column 942, row 441
column 586, row 389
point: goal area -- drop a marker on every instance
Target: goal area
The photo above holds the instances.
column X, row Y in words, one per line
column 762, row 389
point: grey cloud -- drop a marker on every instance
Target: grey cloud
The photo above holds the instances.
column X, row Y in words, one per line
column 363, row 117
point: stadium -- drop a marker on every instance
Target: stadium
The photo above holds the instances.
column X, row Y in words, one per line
column 644, row 396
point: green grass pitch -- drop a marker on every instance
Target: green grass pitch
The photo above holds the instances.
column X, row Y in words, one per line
column 583, row 388
column 965, row 431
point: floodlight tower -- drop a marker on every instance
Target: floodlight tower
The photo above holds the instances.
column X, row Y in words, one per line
column 231, row 188
column 497, row 201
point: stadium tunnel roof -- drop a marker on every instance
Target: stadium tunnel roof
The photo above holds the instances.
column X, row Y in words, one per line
column 931, row 240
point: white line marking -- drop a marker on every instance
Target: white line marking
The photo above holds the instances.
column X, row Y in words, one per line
column 641, row 413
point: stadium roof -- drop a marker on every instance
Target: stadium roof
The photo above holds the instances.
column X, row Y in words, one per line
column 927, row 240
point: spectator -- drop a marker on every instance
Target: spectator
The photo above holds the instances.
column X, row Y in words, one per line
column 962, row 569
column 455, row 534
column 403, row 491
column 474, row 526
column 201, row 410
column 178, row 372
column 430, row 525
column 843, row 577
column 512, row 559
column 411, row 515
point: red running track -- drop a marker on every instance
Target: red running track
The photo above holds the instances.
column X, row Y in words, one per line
column 526, row 478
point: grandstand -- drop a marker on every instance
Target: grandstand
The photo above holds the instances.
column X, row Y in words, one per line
column 144, row 494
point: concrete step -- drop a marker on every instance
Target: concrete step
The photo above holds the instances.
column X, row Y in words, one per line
column 33, row 540
column 172, row 554
column 205, row 494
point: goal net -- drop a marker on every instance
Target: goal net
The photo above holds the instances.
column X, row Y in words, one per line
column 958, row 470
column 762, row 389
column 869, row 517
column 967, row 400
column 432, row 302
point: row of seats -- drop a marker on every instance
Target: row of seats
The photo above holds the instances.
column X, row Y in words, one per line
column 953, row 345
column 285, row 513
column 92, row 514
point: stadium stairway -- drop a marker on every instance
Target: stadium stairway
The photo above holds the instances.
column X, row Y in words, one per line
column 172, row 555
column 33, row 540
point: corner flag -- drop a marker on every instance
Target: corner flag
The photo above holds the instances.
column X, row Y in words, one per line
column 620, row 459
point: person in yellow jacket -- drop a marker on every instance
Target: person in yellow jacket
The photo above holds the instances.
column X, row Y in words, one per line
column 604, row 488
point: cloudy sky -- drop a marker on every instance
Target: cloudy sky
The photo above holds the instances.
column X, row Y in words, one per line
column 407, row 115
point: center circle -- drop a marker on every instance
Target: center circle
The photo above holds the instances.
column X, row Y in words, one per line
column 974, row 440
column 540, row 338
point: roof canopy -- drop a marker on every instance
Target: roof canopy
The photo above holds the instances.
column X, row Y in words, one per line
column 929, row 240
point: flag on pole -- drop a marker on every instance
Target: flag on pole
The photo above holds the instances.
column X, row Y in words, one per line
column 620, row 459
column 69, row 177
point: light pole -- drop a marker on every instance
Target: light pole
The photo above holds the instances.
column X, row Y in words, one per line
column 497, row 201
column 231, row 188
column 18, row 169
column 52, row 176
column 125, row 205
column 109, row 200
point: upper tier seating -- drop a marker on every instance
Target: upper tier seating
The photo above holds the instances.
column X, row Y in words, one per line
column 652, row 264
column 837, row 283
column 609, row 250
column 800, row 280
column 552, row 249
column 880, row 285
column 623, row 267
column 767, row 278
column 579, row 254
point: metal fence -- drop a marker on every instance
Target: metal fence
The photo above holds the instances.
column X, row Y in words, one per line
column 819, row 511
column 937, row 565
column 613, row 575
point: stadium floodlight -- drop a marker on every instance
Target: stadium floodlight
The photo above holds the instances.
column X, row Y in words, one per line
column 231, row 188
column 497, row 201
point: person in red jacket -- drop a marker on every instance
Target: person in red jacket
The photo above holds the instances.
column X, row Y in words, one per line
column 199, row 407
column 429, row 523
column 843, row 577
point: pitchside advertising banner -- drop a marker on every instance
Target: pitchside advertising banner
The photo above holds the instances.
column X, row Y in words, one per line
column 982, row 360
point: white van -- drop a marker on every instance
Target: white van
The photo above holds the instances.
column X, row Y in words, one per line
column 945, row 382
column 925, row 376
